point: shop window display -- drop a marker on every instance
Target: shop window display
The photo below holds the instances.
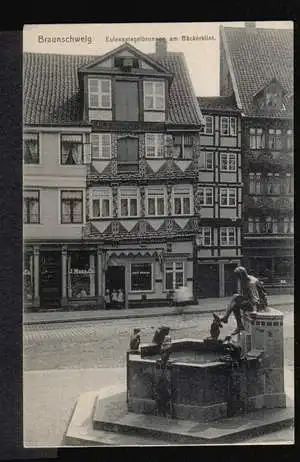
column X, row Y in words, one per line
column 81, row 275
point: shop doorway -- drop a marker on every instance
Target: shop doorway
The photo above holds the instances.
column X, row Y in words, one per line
column 208, row 281
column 230, row 280
column 50, row 279
column 115, row 287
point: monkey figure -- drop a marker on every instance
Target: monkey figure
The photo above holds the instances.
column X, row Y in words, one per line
column 165, row 350
column 135, row 339
column 160, row 334
column 215, row 327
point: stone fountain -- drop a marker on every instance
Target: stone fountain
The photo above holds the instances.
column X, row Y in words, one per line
column 192, row 391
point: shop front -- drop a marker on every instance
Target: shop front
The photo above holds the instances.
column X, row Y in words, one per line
column 71, row 276
column 139, row 278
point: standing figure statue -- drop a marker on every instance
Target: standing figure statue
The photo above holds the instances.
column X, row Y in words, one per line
column 252, row 297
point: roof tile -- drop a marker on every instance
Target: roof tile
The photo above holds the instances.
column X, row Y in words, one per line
column 257, row 56
column 51, row 88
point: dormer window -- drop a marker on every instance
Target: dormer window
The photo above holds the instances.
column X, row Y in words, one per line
column 273, row 100
column 154, row 96
column 270, row 97
column 99, row 93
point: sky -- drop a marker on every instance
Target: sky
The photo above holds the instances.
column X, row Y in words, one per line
column 202, row 55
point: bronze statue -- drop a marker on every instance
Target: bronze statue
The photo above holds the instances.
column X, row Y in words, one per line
column 135, row 339
column 215, row 327
column 160, row 334
column 252, row 297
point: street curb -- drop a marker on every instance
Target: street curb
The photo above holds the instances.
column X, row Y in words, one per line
column 133, row 316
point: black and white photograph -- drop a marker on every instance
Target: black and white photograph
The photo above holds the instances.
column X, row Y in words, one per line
column 158, row 234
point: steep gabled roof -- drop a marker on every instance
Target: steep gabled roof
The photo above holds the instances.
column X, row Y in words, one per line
column 218, row 103
column 51, row 88
column 255, row 57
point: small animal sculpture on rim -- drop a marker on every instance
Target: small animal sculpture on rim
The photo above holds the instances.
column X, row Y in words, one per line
column 215, row 327
column 160, row 334
column 135, row 339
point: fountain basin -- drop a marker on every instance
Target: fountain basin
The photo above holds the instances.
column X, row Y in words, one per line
column 199, row 380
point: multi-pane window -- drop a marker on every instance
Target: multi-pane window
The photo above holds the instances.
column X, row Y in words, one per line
column 31, row 148
column 227, row 236
column 128, row 202
column 182, row 201
column 205, row 196
column 101, row 145
column 141, row 277
column 155, row 145
column 253, row 225
column 228, row 162
column 154, row 96
column 273, row 184
column 275, row 139
column 288, row 225
column 228, row 197
column 31, row 201
column 228, row 126
column 289, row 140
column 101, row 203
column 71, row 207
column 174, row 275
column 182, row 147
column 204, row 236
column 206, row 160
column 273, row 100
column 271, row 225
column 71, row 150
column 208, row 128
column 288, row 184
column 255, row 183
column 100, row 93
column 156, row 202
column 257, row 138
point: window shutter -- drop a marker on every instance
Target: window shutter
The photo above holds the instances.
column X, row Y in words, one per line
column 87, row 153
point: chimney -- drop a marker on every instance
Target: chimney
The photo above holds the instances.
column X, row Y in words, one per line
column 161, row 47
column 250, row 25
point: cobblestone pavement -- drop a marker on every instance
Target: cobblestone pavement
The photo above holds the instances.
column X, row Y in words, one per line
column 103, row 343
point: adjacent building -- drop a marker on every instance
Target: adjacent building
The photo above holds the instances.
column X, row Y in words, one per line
column 256, row 70
column 218, row 245
column 111, row 177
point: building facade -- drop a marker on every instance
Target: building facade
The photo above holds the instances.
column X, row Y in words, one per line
column 218, row 250
column 256, row 69
column 111, row 178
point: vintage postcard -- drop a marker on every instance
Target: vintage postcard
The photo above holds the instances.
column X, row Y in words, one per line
column 158, row 234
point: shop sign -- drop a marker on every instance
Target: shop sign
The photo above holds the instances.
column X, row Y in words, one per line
column 81, row 271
